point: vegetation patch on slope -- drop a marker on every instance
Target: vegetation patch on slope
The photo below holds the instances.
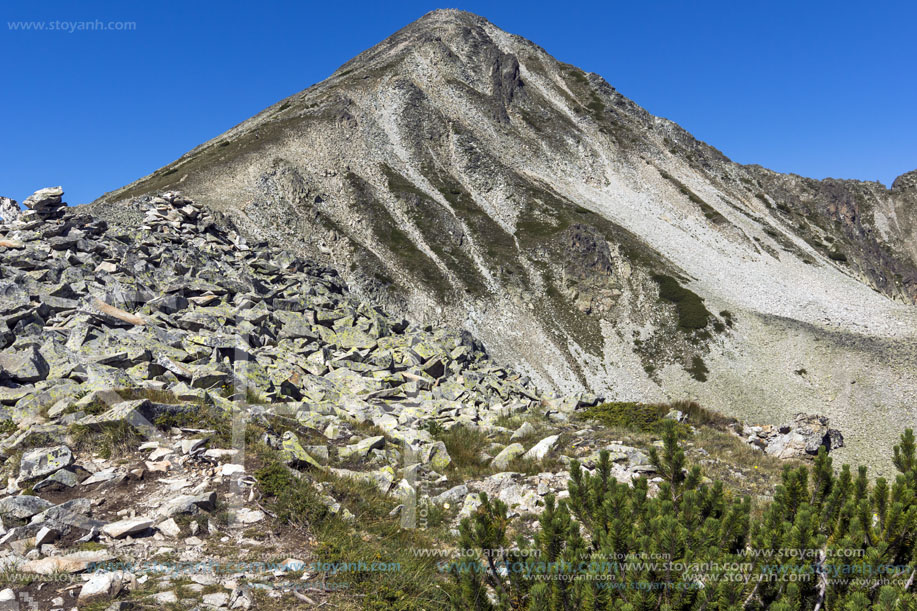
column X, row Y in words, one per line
column 710, row 213
column 692, row 313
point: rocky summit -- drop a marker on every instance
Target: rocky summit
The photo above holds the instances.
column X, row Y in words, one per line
column 460, row 175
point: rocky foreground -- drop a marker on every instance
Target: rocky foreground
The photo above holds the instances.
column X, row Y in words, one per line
column 135, row 363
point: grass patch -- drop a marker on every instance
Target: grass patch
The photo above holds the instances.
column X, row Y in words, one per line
column 628, row 415
column 112, row 441
column 700, row 416
column 373, row 536
column 466, row 447
column 650, row 417
column 200, row 417
column 742, row 467
column 692, row 314
column 294, row 500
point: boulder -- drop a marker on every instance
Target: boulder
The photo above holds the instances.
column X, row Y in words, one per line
column 44, row 461
column 8, row 600
column 23, row 506
column 75, row 562
column 102, row 585
column 294, row 454
column 9, row 210
column 25, row 365
column 45, row 202
column 507, row 455
column 123, row 528
column 188, row 503
column 452, row 496
column 801, row 438
column 362, row 448
column 541, row 449
column 523, row 431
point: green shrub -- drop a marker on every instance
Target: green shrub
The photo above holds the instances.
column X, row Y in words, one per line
column 692, row 314
column 7, row 427
column 696, row 545
column 628, row 415
column 293, row 499
column 701, row 416
column 698, row 369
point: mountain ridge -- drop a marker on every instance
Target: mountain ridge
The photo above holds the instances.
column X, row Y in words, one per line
column 461, row 174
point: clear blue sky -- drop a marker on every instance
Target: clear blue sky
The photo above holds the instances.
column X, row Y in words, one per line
column 816, row 88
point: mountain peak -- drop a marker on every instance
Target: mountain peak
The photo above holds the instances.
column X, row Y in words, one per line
column 906, row 182
column 461, row 174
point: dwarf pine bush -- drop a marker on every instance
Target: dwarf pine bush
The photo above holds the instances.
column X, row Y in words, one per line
column 826, row 541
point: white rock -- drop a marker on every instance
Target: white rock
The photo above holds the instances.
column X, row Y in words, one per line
column 217, row 453
column 249, row 516
column 123, row 528
column 160, row 453
column 541, row 449
column 190, row 445
column 523, row 431
column 169, row 528
column 507, row 455
column 165, row 598
column 217, row 599
column 230, row 469
column 8, row 600
column 101, row 585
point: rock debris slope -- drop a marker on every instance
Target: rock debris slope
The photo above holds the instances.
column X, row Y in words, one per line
column 461, row 174
column 123, row 355
column 185, row 306
column 150, row 377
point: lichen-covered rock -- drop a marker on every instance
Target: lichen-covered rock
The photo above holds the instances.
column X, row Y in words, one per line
column 44, row 461
column 507, row 455
column 22, row 506
column 24, row 365
column 294, row 454
column 361, row 448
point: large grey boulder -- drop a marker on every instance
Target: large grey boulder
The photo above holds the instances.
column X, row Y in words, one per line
column 507, row 455
column 25, row 365
column 22, row 506
column 362, row 448
column 188, row 503
column 541, row 449
column 44, row 461
column 45, row 200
